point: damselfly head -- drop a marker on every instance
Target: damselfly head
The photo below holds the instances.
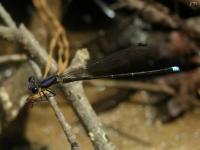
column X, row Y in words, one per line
column 33, row 85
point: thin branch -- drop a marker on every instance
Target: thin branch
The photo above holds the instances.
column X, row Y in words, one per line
column 6, row 17
column 31, row 45
column 59, row 115
column 65, row 126
column 82, row 107
column 58, row 33
column 34, row 50
column 153, row 87
column 12, row 58
column 74, row 91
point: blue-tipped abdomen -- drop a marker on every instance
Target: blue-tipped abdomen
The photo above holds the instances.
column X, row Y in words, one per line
column 175, row 69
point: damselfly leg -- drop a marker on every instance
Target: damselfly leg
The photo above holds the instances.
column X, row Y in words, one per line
column 41, row 96
column 51, row 93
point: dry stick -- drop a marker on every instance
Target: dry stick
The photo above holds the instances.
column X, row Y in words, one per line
column 135, row 85
column 51, row 20
column 82, row 107
column 65, row 126
column 33, row 49
column 12, row 58
column 74, row 92
column 50, row 56
column 6, row 17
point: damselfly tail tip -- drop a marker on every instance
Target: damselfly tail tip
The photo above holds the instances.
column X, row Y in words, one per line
column 175, row 69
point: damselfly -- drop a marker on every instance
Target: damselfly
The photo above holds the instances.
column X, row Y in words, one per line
column 42, row 87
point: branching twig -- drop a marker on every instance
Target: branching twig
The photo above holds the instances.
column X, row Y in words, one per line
column 59, row 37
column 33, row 49
column 65, row 126
column 82, row 107
column 37, row 53
column 74, row 91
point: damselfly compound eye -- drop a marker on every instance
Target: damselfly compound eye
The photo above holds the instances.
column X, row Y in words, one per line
column 34, row 90
column 32, row 85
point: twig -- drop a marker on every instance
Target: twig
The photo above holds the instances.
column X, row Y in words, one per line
column 65, row 126
column 135, row 85
column 82, row 107
column 74, row 91
column 12, row 58
column 59, row 115
column 59, row 37
column 24, row 37
column 128, row 136
column 6, row 17
column 33, row 49
column 155, row 13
